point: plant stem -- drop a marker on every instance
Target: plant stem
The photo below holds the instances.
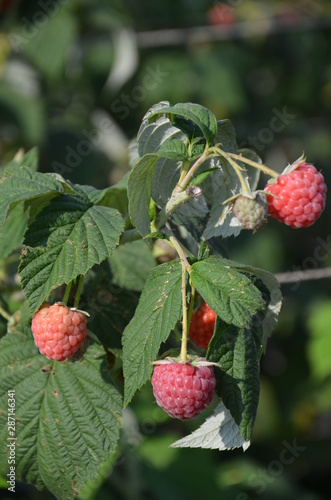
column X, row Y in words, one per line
column 181, row 253
column 183, row 183
column 79, row 289
column 4, row 314
column 183, row 350
column 177, row 199
column 184, row 171
column 263, row 168
column 67, row 293
column 237, row 169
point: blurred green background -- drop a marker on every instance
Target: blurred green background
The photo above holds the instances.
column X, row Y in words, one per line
column 77, row 76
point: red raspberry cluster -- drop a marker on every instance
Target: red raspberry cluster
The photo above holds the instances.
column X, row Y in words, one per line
column 58, row 331
column 183, row 390
column 299, row 196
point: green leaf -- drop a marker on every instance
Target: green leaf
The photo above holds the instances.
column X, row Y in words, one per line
column 188, row 117
column 238, row 381
column 229, row 293
column 151, row 137
column 23, row 184
column 197, row 151
column 159, row 309
column 226, row 136
column 202, row 176
column 66, row 239
column 140, row 191
column 130, row 265
column 114, row 196
column 265, row 320
column 67, row 415
column 173, row 149
column 218, row 432
column 12, row 232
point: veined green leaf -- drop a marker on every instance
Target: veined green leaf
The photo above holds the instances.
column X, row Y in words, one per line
column 188, row 117
column 23, row 184
column 57, row 406
column 151, row 136
column 229, row 293
column 265, row 320
column 238, row 381
column 66, row 239
column 12, row 232
column 173, row 149
column 114, row 196
column 159, row 309
column 140, row 191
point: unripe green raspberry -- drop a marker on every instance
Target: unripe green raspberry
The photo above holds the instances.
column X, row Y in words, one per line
column 251, row 211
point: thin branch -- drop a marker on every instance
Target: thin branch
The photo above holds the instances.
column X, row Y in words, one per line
column 308, row 274
column 207, row 34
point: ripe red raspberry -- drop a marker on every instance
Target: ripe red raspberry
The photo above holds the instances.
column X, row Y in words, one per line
column 300, row 196
column 183, row 390
column 202, row 326
column 58, row 331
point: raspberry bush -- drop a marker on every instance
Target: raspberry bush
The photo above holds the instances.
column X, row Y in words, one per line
column 90, row 250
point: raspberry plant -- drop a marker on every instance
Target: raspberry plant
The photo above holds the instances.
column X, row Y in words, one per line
column 187, row 173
